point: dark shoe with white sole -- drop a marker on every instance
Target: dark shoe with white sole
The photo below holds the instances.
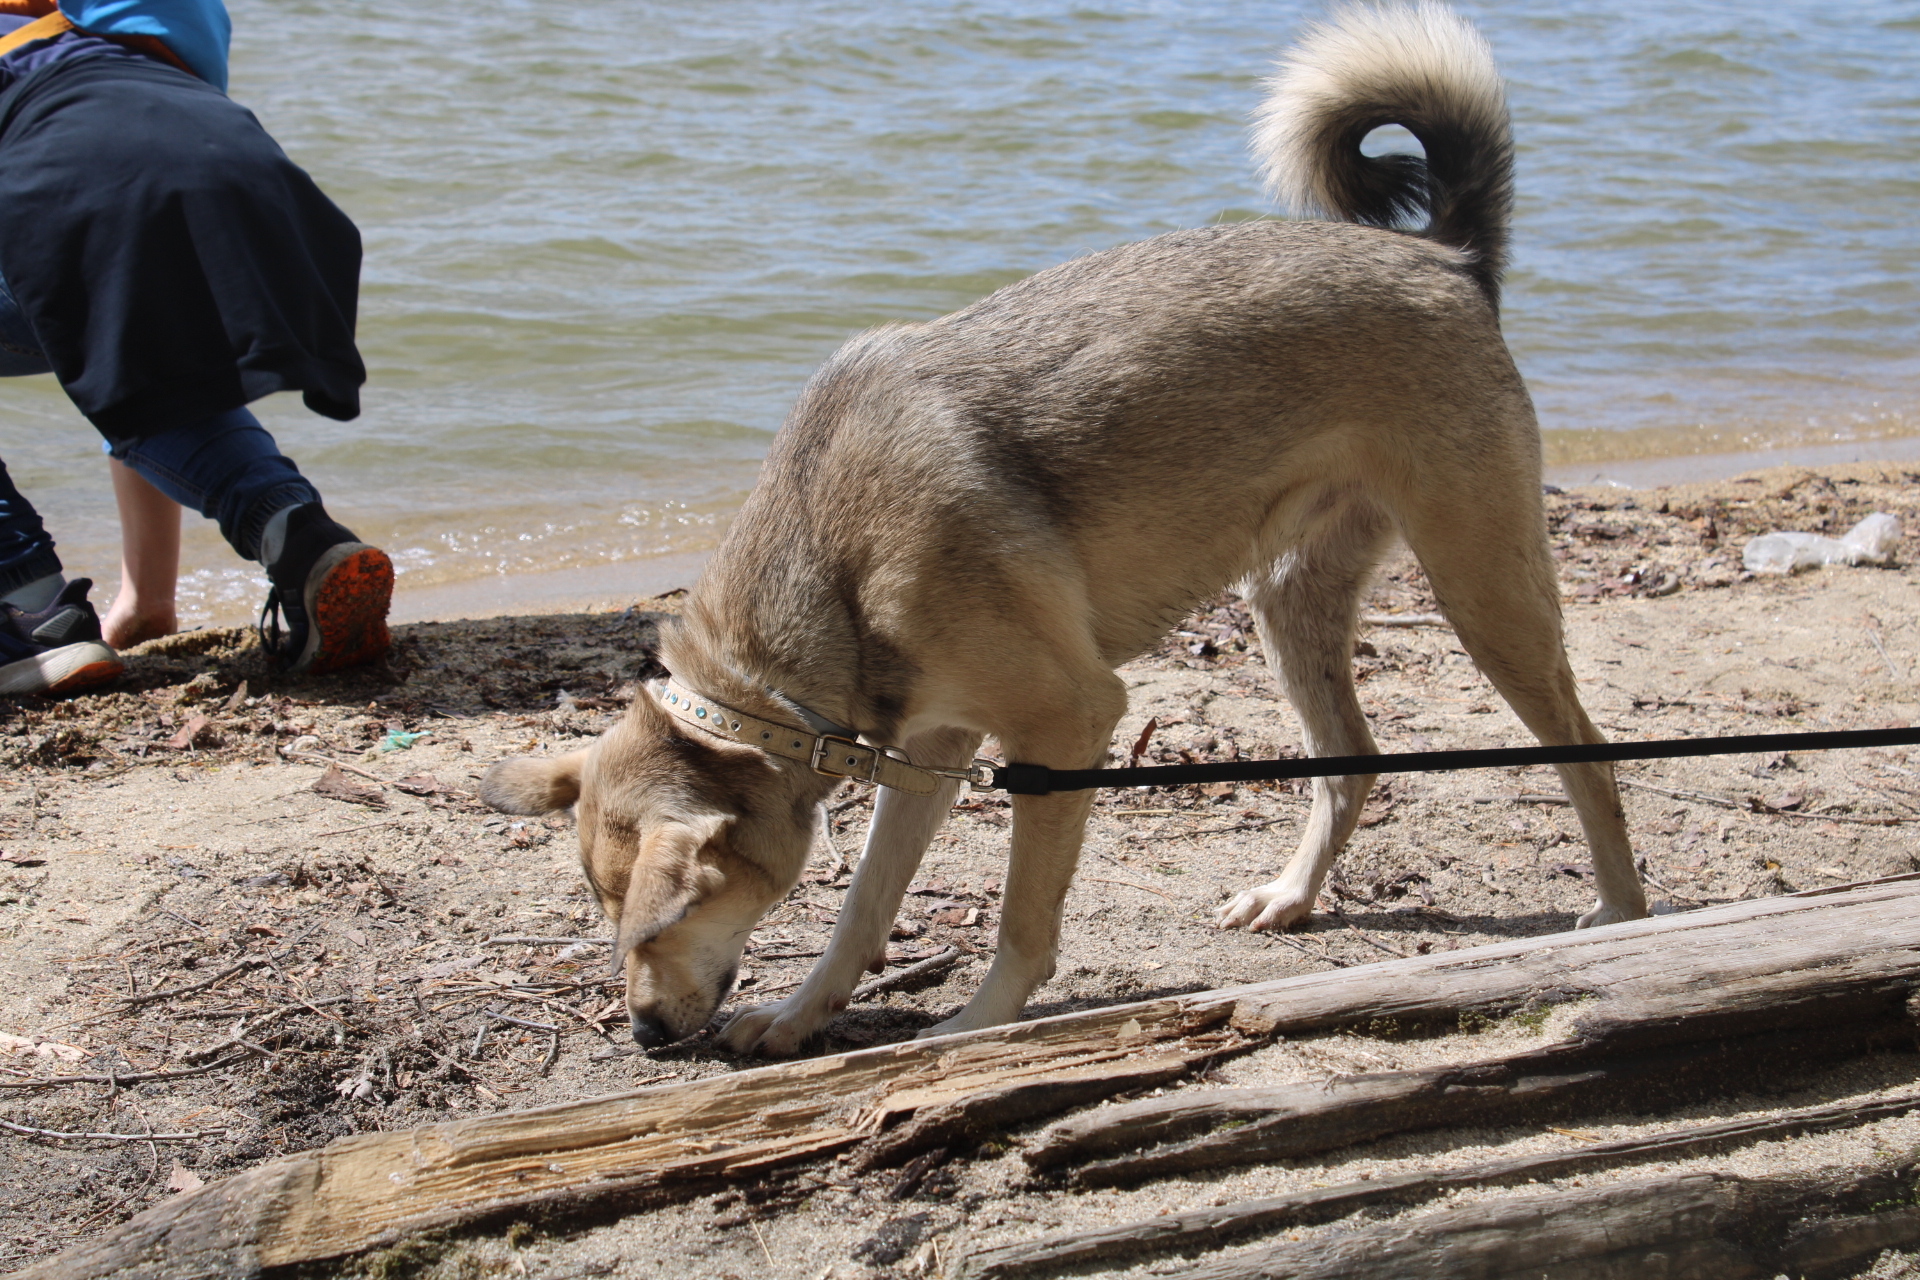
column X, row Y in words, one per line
column 56, row 649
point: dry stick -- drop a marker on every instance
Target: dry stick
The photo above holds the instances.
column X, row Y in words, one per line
column 1404, row 620
column 338, row 764
column 763, row 1244
column 1214, row 831
column 118, row 1081
column 1144, row 888
column 253, row 1025
column 1873, row 635
column 523, row 1022
column 1525, row 797
column 1213, row 1227
column 920, row 968
column 31, row 1132
column 251, row 962
column 1374, row 942
column 1322, row 955
column 524, row 940
column 1702, row 797
column 347, row 831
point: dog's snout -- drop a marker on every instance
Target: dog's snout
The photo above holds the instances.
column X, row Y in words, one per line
column 648, row 1031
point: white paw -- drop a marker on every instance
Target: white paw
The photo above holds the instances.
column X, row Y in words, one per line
column 777, row 1030
column 1267, row 906
column 965, row 1020
column 1604, row 914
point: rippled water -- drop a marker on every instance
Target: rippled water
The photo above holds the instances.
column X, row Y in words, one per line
column 607, row 243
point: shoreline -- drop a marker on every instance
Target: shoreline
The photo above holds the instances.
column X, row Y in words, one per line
column 239, row 588
column 614, row 586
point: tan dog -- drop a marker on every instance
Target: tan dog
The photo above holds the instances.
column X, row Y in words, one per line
column 966, row 525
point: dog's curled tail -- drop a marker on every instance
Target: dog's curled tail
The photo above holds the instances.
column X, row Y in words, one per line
column 1422, row 67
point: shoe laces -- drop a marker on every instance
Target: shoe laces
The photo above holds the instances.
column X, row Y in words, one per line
column 269, row 624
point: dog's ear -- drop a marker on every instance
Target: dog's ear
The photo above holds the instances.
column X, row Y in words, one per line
column 533, row 786
column 666, row 880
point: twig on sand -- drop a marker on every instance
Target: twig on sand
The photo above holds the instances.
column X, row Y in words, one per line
column 1403, row 620
column 32, row 1132
column 1144, row 888
column 142, row 1077
column 919, row 969
column 1702, row 797
column 525, row 940
column 251, row 962
column 1320, row 954
column 317, row 758
column 1369, row 939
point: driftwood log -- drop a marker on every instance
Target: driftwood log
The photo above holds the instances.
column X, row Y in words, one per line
column 1774, row 967
column 1654, row 1038
column 1701, row 1226
column 1215, row 1226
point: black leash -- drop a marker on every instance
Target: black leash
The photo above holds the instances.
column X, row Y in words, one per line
column 1038, row 780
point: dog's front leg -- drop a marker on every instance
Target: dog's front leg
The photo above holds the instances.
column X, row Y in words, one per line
column 902, row 826
column 1047, row 833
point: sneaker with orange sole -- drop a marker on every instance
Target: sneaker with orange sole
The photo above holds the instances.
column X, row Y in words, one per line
column 332, row 591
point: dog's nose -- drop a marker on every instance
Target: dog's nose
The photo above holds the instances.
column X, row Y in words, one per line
column 648, row 1031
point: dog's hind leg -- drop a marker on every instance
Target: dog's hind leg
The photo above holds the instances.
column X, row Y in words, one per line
column 902, row 826
column 1487, row 560
column 1306, row 604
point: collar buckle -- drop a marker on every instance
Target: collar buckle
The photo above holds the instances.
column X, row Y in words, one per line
column 837, row 757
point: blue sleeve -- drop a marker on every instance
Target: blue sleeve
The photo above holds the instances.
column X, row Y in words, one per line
column 197, row 31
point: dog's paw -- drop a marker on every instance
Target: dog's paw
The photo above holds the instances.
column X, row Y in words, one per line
column 777, row 1030
column 1604, row 914
column 1267, row 906
column 965, row 1020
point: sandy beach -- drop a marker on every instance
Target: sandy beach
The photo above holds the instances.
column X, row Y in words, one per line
column 272, row 913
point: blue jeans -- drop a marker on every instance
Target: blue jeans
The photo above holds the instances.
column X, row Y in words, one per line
column 226, row 467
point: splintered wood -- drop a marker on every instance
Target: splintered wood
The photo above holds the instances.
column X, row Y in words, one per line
column 1678, row 1006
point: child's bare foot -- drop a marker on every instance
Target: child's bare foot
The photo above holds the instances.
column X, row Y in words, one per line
column 126, row 626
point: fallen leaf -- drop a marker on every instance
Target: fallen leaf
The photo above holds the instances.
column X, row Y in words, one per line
column 184, row 1179
column 191, row 733
column 1376, row 812
column 335, row 785
column 1140, row 743
column 238, row 699
column 12, row 1044
column 420, row 784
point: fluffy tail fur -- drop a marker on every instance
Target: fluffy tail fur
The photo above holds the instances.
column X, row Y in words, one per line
column 1422, row 67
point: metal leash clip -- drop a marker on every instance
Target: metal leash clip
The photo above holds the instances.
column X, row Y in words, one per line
column 978, row 775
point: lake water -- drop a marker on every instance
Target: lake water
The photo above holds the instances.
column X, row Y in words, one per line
column 606, row 243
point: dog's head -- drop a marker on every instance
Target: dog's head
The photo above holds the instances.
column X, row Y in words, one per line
column 687, row 843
